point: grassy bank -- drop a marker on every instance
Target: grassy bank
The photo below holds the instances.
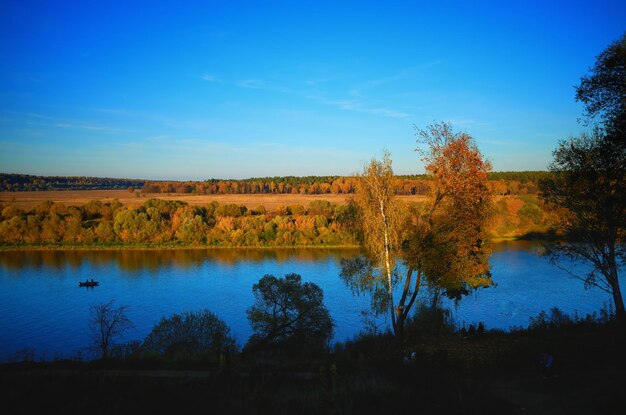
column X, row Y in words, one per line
column 179, row 246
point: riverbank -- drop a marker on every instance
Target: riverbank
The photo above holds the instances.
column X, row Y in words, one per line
column 531, row 238
column 161, row 247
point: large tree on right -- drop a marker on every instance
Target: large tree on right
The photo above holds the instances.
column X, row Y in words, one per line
column 603, row 91
column 589, row 179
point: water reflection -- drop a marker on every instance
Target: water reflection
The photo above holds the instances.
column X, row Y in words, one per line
column 41, row 306
column 153, row 260
column 517, row 245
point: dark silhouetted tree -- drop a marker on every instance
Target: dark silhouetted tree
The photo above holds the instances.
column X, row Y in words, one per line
column 107, row 323
column 589, row 180
column 603, row 92
column 190, row 334
column 288, row 314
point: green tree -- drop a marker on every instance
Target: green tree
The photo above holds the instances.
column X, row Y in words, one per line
column 230, row 209
column 589, row 181
column 193, row 229
column 289, row 314
column 129, row 225
column 190, row 334
column 104, row 232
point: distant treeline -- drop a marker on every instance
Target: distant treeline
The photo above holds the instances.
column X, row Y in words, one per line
column 321, row 223
column 503, row 183
column 25, row 182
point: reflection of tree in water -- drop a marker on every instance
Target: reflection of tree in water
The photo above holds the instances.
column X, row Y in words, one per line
column 517, row 245
column 153, row 260
column 57, row 260
column 133, row 260
column 233, row 256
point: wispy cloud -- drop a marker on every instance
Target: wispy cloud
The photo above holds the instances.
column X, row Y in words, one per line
column 113, row 111
column 319, row 81
column 266, row 86
column 86, row 127
column 155, row 118
column 354, row 100
column 252, row 84
column 64, row 123
column 216, row 158
column 360, row 105
column 210, row 78
column 401, row 75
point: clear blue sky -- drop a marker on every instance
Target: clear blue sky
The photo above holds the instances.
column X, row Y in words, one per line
column 231, row 89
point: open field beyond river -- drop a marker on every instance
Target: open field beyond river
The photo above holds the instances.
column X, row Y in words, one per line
column 27, row 200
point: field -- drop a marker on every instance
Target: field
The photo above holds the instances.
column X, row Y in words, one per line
column 27, row 200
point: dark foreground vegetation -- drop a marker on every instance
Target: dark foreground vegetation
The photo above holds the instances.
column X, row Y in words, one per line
column 436, row 370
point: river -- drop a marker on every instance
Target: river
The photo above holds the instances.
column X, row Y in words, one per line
column 42, row 309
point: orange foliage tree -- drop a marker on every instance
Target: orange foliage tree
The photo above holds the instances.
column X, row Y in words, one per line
column 449, row 244
column 442, row 242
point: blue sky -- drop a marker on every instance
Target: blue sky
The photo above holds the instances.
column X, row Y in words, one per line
column 231, row 89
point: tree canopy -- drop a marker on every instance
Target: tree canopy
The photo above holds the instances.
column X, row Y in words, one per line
column 189, row 334
column 603, row 92
column 449, row 242
column 589, row 181
column 288, row 314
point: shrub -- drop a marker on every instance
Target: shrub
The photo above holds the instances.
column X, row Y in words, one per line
column 189, row 334
column 429, row 320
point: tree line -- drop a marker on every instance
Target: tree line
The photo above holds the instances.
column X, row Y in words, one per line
column 502, row 183
column 25, row 182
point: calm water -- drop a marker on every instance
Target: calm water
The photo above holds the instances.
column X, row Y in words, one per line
column 42, row 307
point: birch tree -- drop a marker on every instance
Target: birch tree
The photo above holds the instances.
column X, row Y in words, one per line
column 380, row 220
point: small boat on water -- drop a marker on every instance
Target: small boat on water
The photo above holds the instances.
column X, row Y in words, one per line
column 88, row 283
